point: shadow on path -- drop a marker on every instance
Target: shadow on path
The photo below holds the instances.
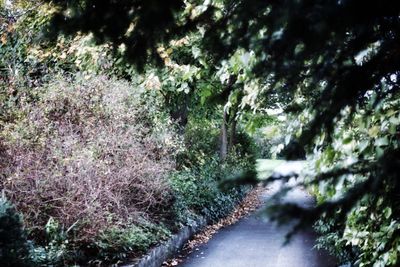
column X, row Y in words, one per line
column 255, row 242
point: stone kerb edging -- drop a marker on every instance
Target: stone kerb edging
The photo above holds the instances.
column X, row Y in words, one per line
column 164, row 251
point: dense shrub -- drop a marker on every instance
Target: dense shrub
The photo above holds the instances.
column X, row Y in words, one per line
column 330, row 239
column 118, row 242
column 87, row 154
column 197, row 190
column 368, row 233
column 90, row 163
column 13, row 243
column 56, row 249
column 201, row 139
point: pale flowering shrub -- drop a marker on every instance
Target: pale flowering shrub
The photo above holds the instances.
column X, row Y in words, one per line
column 89, row 153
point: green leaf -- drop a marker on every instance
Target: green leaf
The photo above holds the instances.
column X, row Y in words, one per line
column 347, row 140
column 196, row 51
column 374, row 131
column 383, row 141
column 387, row 212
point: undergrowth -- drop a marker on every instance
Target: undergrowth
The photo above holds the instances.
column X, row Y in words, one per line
column 90, row 164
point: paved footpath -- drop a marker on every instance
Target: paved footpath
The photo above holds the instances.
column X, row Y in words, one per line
column 255, row 242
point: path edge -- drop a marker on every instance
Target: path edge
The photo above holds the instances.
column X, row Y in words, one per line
column 157, row 255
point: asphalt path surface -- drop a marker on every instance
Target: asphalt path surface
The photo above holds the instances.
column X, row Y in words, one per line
column 256, row 242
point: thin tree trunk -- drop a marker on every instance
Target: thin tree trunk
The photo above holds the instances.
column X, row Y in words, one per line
column 179, row 110
column 233, row 126
column 224, row 142
column 232, row 137
column 223, row 152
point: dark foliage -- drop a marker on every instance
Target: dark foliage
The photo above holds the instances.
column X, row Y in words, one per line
column 140, row 24
column 310, row 43
column 13, row 243
column 315, row 42
column 313, row 45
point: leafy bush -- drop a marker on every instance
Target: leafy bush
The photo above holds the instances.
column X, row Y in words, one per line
column 201, row 141
column 13, row 242
column 118, row 242
column 367, row 234
column 197, row 190
column 330, row 238
column 56, row 249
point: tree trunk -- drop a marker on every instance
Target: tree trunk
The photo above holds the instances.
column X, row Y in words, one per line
column 232, row 137
column 179, row 110
column 225, row 140
column 223, row 151
column 181, row 116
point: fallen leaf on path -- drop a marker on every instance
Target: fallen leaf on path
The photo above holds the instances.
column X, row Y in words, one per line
column 249, row 204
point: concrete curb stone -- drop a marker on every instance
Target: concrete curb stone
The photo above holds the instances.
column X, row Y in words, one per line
column 156, row 256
